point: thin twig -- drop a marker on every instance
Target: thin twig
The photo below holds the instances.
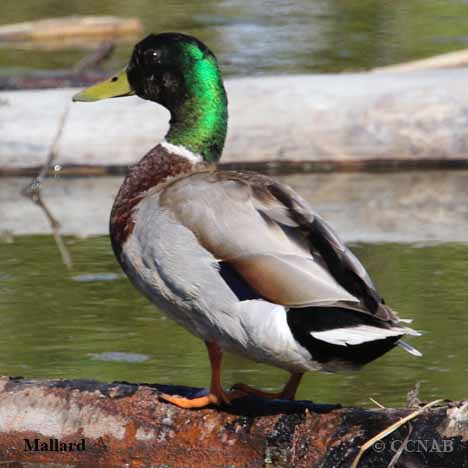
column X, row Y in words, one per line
column 102, row 53
column 402, row 447
column 391, row 429
column 33, row 192
column 376, row 403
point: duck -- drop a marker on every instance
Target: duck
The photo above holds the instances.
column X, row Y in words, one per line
column 238, row 259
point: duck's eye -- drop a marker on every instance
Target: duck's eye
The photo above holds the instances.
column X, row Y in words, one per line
column 153, row 56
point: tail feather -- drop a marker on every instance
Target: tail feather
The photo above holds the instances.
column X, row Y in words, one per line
column 350, row 336
column 340, row 337
column 408, row 348
column 354, row 335
column 406, row 320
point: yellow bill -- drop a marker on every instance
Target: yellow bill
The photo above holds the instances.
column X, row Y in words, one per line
column 115, row 86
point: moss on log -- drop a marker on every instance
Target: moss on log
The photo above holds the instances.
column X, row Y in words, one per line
column 122, row 423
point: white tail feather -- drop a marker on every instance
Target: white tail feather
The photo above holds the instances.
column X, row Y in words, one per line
column 408, row 348
column 361, row 334
column 410, row 331
column 356, row 335
column 406, row 320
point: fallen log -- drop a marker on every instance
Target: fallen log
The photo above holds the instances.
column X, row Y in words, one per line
column 456, row 59
column 70, row 26
column 97, row 424
column 266, row 167
column 345, row 117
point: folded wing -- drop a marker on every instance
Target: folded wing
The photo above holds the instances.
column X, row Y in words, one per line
column 272, row 239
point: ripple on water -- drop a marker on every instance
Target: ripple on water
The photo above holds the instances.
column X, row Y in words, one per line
column 118, row 357
column 95, row 277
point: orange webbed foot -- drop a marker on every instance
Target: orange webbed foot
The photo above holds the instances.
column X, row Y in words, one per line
column 217, row 399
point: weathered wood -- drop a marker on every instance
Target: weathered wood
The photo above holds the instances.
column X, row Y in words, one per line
column 70, row 26
column 122, row 423
column 265, row 167
column 455, row 59
column 293, row 118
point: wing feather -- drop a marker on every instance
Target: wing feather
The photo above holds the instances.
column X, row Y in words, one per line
column 290, row 280
column 271, row 237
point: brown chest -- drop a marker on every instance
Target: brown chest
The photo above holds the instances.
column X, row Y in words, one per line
column 155, row 169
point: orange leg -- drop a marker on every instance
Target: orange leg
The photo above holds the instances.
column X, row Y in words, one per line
column 216, row 395
column 288, row 392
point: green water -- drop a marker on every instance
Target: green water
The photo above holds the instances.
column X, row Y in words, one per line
column 266, row 36
column 59, row 323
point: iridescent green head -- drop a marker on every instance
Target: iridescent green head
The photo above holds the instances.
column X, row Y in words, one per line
column 180, row 73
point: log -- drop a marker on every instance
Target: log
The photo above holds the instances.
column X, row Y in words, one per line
column 70, row 26
column 344, row 117
column 455, row 59
column 122, row 423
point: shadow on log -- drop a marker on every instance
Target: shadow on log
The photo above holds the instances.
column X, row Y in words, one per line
column 122, row 423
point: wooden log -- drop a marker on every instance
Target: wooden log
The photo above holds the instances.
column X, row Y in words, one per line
column 70, row 26
column 97, row 424
column 345, row 117
column 266, row 167
column 455, row 59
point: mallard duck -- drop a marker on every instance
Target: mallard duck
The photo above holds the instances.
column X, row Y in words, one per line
column 237, row 258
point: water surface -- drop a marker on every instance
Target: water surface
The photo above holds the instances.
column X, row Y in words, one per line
column 89, row 322
column 266, row 36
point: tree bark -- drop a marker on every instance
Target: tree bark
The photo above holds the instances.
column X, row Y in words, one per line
column 123, row 423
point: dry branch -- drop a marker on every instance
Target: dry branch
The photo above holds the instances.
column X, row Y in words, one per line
column 124, row 423
column 102, row 53
column 33, row 192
